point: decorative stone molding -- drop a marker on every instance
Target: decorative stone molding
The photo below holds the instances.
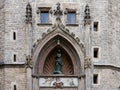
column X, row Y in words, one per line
column 58, row 25
column 72, row 34
column 57, row 12
column 39, row 9
column 87, row 62
column 82, row 75
column 28, row 14
column 65, row 30
column 58, row 28
column 58, row 84
column 87, row 17
column 28, row 63
column 77, row 39
column 61, row 27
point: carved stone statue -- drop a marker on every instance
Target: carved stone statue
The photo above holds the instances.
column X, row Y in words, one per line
column 58, row 63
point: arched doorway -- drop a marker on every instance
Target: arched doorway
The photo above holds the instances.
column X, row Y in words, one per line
column 44, row 62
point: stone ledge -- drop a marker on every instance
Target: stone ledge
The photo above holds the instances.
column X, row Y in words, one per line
column 107, row 65
column 44, row 24
column 12, row 65
column 54, row 75
column 72, row 24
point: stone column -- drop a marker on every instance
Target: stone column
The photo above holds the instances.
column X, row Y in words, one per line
column 81, row 85
column 29, row 56
column 35, row 83
column 28, row 39
column 88, row 74
column 87, row 41
column 29, row 46
column 87, row 60
column 29, row 79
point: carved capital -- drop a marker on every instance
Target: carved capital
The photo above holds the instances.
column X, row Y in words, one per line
column 87, row 62
column 29, row 62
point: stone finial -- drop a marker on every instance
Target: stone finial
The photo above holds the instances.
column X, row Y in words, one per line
column 87, row 18
column 87, row 62
column 57, row 12
column 28, row 14
column 28, row 63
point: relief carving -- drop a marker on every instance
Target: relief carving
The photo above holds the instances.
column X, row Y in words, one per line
column 28, row 63
column 57, row 12
column 58, row 84
column 28, row 14
column 87, row 62
column 87, row 18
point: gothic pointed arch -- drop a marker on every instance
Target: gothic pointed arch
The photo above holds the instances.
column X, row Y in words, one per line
column 46, row 47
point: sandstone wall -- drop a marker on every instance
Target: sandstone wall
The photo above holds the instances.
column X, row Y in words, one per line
column 15, row 76
column 108, row 79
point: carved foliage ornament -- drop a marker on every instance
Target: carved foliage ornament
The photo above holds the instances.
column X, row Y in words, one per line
column 28, row 63
column 57, row 12
column 87, row 62
column 28, row 14
column 87, row 18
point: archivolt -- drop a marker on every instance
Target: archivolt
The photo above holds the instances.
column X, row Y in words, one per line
column 48, row 43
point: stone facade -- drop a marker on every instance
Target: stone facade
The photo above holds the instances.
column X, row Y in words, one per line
column 32, row 39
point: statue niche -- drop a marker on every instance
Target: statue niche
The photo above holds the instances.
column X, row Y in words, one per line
column 57, row 63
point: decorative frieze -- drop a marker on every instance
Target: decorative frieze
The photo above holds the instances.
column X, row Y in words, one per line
column 58, row 82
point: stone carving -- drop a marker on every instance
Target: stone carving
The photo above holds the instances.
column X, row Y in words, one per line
column 58, row 63
column 77, row 39
column 82, row 46
column 28, row 14
column 43, row 35
column 87, row 18
column 28, row 63
column 87, row 62
column 58, row 84
column 58, row 12
column 72, row 34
